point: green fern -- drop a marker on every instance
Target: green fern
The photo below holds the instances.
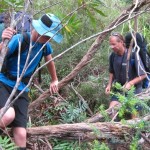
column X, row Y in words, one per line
column 6, row 143
column 74, row 113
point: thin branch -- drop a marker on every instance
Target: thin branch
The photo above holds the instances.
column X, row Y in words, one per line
column 82, row 99
column 49, row 145
column 145, row 138
column 114, row 116
column 35, row 85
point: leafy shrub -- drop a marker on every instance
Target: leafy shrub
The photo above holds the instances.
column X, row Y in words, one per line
column 131, row 104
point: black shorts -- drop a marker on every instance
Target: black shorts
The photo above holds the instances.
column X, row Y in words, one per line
column 20, row 106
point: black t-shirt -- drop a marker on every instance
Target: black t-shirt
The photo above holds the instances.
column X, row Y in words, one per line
column 118, row 66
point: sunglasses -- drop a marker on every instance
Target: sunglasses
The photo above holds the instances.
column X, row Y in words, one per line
column 118, row 35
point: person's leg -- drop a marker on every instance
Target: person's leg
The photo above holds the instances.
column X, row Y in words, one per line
column 113, row 104
column 20, row 122
column 9, row 115
column 20, row 136
column 114, row 111
column 7, row 118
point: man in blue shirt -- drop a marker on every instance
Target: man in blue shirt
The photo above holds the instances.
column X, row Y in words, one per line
column 47, row 27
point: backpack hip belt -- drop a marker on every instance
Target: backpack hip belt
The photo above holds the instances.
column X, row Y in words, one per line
column 25, row 80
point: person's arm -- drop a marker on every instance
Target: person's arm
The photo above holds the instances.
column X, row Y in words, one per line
column 108, row 88
column 52, row 71
column 1, row 45
column 140, row 71
column 135, row 81
column 111, row 73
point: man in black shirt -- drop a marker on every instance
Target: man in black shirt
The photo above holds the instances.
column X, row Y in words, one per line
column 117, row 68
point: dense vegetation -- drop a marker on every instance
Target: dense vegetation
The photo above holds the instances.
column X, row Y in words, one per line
column 84, row 95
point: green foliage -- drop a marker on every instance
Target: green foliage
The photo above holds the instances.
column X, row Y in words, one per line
column 131, row 104
column 89, row 92
column 49, row 113
column 104, row 113
column 145, row 29
column 13, row 4
column 6, row 143
column 64, row 71
column 127, row 1
column 99, row 146
column 80, row 13
column 134, row 144
column 71, row 145
column 72, row 26
column 74, row 113
column 139, row 128
column 65, row 145
column 90, row 9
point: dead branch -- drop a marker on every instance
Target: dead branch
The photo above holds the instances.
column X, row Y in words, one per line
column 98, row 116
column 145, row 138
column 82, row 99
column 92, row 50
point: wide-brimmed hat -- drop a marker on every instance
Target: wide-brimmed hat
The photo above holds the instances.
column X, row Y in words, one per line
column 49, row 25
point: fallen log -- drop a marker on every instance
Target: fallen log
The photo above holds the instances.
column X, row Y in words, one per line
column 88, row 131
column 98, row 116
column 83, row 131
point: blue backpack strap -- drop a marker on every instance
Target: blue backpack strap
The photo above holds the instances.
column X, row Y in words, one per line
column 39, row 65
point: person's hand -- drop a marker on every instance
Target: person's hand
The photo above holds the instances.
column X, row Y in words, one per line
column 54, row 87
column 128, row 85
column 107, row 90
column 8, row 33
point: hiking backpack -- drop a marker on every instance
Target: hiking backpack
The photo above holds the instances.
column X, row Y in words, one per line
column 23, row 26
column 145, row 56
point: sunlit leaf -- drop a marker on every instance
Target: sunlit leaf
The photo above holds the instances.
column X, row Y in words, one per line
column 80, row 2
column 67, row 28
column 93, row 20
column 98, row 11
